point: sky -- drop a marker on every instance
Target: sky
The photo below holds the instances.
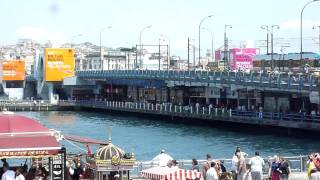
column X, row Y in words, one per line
column 60, row 21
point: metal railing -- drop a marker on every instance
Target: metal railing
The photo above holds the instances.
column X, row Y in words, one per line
column 208, row 113
column 285, row 81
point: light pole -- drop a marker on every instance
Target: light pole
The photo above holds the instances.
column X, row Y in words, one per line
column 266, row 27
column 272, row 60
column 314, row 27
column 141, row 48
column 168, row 50
column 73, row 37
column 211, row 33
column 226, row 61
column 301, row 51
column 100, row 48
column 200, row 35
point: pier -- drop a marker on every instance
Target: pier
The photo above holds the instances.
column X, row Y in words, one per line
column 206, row 114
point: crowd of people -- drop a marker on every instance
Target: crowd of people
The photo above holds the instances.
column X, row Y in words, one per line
column 75, row 169
column 35, row 172
column 244, row 168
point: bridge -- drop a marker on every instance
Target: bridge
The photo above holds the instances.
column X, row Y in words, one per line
column 261, row 81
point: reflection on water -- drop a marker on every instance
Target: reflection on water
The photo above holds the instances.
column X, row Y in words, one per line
column 145, row 137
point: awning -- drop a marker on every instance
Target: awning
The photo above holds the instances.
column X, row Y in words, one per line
column 24, row 137
column 83, row 140
column 166, row 173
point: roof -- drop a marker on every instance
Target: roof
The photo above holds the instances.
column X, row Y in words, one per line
column 24, row 137
column 19, row 124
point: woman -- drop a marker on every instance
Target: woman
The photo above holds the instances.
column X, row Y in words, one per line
column 284, row 169
column 195, row 166
column 274, row 174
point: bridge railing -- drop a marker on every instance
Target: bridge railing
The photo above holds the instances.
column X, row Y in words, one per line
column 280, row 80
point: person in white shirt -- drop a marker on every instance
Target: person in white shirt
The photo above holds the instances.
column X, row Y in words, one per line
column 234, row 165
column 174, row 165
column 19, row 176
column 212, row 172
column 8, row 174
column 257, row 164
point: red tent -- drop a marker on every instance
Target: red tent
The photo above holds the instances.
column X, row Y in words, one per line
column 24, row 137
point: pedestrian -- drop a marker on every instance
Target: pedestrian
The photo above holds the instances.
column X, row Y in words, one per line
column 195, row 166
column 206, row 165
column 174, row 164
column 7, row 173
column 284, row 169
column 260, row 112
column 274, row 174
column 241, row 168
column 19, row 175
column 257, row 164
column 234, row 165
column 211, row 173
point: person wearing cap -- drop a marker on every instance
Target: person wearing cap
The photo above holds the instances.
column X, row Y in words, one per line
column 257, row 164
column 174, row 164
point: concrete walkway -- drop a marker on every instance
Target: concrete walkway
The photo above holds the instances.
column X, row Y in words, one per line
column 299, row 176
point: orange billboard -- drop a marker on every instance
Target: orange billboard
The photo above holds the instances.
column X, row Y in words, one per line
column 59, row 63
column 13, row 70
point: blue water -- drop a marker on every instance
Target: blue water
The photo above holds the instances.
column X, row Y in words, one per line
column 146, row 137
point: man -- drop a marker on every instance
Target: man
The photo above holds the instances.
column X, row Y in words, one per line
column 7, row 173
column 19, row 175
column 206, row 165
column 212, row 174
column 241, row 168
column 234, row 164
column 257, row 164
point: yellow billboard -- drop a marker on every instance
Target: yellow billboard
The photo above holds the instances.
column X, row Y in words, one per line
column 13, row 70
column 59, row 63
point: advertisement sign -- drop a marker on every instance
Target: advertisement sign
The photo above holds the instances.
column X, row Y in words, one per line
column 242, row 58
column 59, row 63
column 13, row 70
column 57, row 165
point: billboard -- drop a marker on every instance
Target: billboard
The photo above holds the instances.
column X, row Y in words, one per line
column 242, row 58
column 59, row 63
column 13, row 70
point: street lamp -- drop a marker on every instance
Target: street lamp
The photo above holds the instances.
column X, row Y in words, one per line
column 272, row 60
column 266, row 27
column 73, row 37
column 168, row 50
column 211, row 33
column 141, row 48
column 226, row 61
column 301, row 51
column 200, row 34
column 314, row 27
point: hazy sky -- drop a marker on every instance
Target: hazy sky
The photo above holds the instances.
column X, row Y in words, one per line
column 60, row 20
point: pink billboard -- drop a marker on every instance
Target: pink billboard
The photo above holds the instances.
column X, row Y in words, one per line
column 242, row 59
